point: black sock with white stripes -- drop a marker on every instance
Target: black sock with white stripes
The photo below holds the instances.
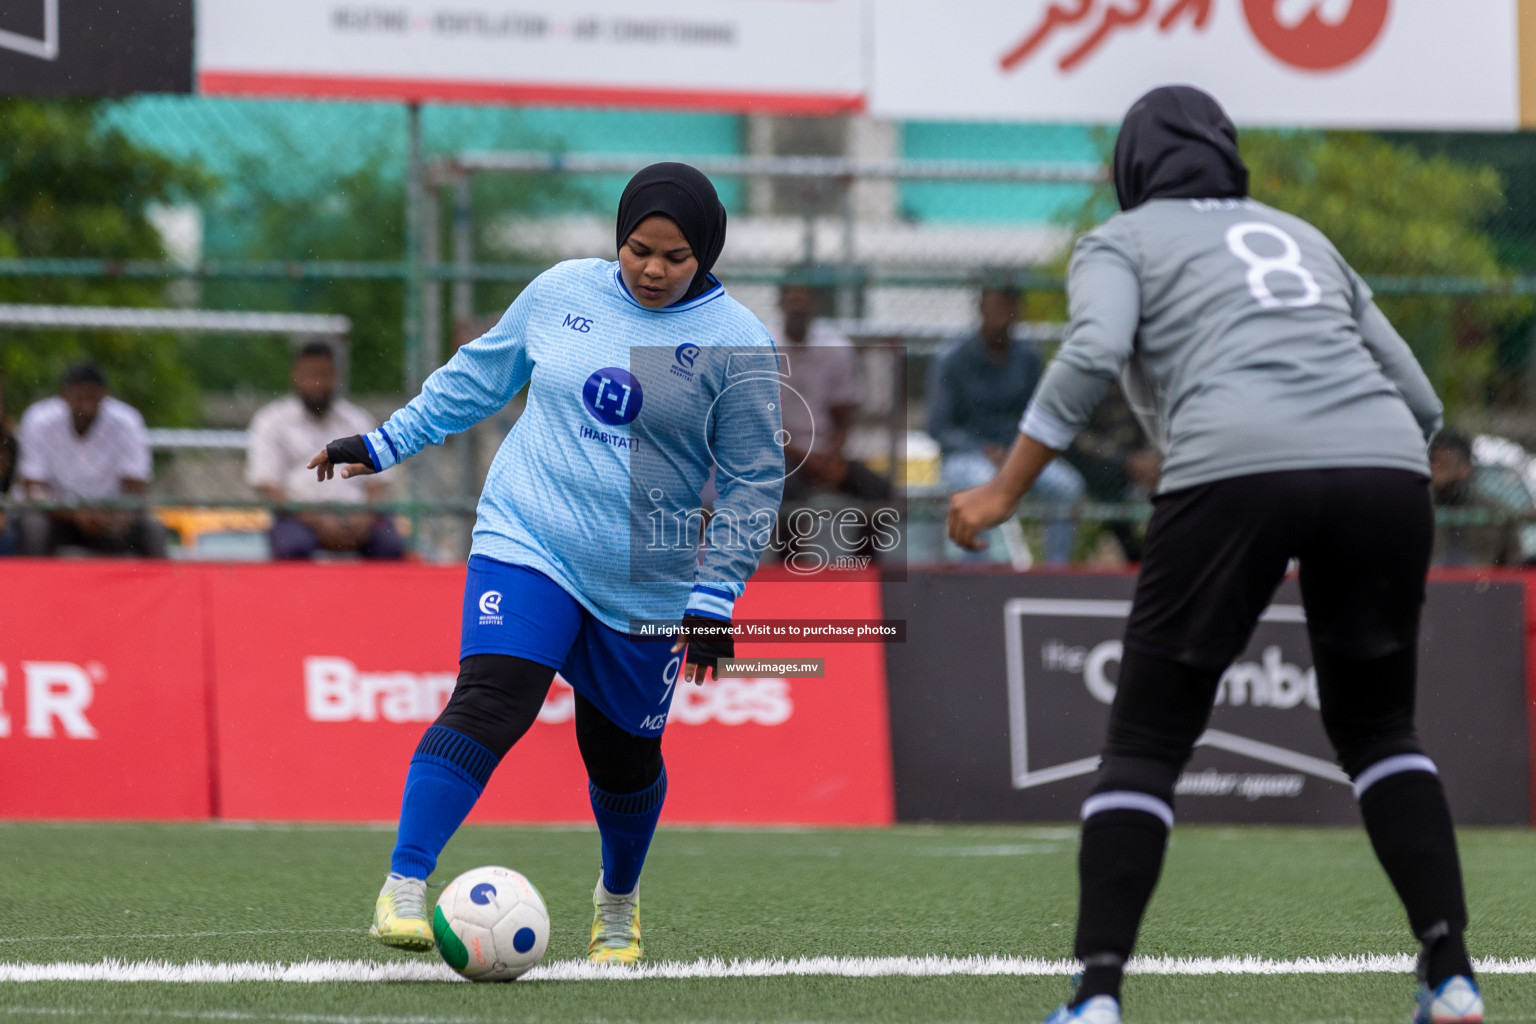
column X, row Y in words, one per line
column 1409, row 822
column 1118, row 866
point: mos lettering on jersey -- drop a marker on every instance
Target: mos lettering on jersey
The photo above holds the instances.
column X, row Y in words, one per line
column 55, row 698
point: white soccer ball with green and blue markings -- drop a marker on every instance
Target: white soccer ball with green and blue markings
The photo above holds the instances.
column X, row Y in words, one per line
column 490, row 924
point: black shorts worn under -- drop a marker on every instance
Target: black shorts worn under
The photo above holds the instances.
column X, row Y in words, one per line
column 1216, row 552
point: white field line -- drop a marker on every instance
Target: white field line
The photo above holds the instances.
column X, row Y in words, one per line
column 160, row 1013
column 824, row 966
column 183, row 935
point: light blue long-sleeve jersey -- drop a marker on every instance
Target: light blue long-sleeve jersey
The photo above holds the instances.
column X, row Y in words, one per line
column 597, row 485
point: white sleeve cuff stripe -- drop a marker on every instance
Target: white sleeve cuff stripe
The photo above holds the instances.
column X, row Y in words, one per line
column 1046, row 429
column 1392, row 766
column 373, row 456
column 1128, row 800
column 710, row 603
column 382, row 450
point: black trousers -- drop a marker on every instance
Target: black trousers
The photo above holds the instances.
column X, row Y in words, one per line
column 1215, row 554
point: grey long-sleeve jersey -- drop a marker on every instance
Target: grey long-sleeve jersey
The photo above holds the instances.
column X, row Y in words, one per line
column 1244, row 343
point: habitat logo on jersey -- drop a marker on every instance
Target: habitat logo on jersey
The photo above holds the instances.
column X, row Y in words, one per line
column 613, row 396
column 682, row 360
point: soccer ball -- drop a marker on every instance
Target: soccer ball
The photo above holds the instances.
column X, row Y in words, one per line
column 490, row 924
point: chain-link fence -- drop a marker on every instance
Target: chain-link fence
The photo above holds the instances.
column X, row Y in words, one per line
column 420, row 227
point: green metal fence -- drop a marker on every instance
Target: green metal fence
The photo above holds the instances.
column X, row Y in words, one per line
column 420, row 225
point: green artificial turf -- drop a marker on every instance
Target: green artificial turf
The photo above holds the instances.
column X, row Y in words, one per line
column 227, row 893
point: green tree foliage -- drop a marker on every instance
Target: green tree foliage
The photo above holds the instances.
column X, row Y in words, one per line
column 359, row 215
column 1513, row 155
column 1394, row 211
column 272, row 213
column 70, row 186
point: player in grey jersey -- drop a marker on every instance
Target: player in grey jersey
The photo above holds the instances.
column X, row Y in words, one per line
column 1292, row 420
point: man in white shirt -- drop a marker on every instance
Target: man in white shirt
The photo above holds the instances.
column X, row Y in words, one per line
column 85, row 445
column 283, row 435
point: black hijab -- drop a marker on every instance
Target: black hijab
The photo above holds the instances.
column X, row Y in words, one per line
column 1177, row 143
column 685, row 196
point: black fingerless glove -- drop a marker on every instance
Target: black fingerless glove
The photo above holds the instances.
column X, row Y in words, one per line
column 709, row 640
column 346, row 450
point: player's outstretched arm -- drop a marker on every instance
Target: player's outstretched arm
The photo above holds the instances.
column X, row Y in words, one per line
column 479, row 379
column 1104, row 296
column 979, row 509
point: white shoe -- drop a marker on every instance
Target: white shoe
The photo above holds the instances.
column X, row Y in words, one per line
column 1098, row 1010
column 1456, row 1001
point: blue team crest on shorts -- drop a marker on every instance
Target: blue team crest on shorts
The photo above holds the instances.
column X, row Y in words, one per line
column 613, row 396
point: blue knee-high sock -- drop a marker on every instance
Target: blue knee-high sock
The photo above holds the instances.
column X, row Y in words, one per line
column 447, row 775
column 626, row 822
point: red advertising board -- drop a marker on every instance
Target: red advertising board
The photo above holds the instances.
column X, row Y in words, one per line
column 297, row 692
column 103, row 695
column 326, row 676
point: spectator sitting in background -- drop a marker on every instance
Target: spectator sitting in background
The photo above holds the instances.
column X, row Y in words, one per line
column 7, row 476
column 824, row 372
column 83, row 444
column 977, row 391
column 283, row 435
column 1490, row 543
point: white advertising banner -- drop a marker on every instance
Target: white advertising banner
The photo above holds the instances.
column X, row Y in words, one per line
column 783, row 56
column 1319, row 63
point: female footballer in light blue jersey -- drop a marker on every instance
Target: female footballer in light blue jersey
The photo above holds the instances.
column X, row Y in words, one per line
column 641, row 375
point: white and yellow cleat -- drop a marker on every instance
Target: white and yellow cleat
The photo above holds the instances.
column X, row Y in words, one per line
column 615, row 926
column 400, row 915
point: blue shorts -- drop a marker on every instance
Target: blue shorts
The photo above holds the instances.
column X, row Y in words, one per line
column 511, row 609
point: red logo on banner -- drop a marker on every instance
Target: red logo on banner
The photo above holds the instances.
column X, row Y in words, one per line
column 1324, row 39
column 1106, row 21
